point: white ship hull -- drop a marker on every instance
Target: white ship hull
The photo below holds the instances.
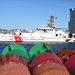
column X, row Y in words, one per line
column 45, row 40
column 6, row 37
column 11, row 38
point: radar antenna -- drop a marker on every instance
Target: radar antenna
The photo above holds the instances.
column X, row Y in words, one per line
column 51, row 21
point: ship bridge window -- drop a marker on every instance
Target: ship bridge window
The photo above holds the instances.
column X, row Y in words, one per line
column 20, row 34
column 44, row 30
column 54, row 27
column 47, row 29
column 56, row 34
column 51, row 29
column 55, row 30
column 60, row 34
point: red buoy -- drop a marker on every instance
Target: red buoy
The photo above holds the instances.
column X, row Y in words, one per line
column 68, row 56
column 70, row 64
column 47, row 64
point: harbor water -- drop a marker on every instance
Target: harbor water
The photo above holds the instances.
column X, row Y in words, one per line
column 55, row 46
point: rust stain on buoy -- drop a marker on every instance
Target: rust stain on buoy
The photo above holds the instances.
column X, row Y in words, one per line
column 13, row 65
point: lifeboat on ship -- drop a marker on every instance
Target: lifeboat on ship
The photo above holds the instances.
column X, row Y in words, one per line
column 14, row 61
column 68, row 56
column 45, row 62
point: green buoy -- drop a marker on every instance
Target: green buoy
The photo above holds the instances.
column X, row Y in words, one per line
column 38, row 48
column 16, row 49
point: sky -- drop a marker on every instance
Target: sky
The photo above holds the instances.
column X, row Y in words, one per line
column 31, row 14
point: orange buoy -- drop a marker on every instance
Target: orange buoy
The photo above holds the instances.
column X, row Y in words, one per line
column 47, row 64
column 13, row 64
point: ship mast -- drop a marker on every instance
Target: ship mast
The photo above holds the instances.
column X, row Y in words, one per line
column 51, row 21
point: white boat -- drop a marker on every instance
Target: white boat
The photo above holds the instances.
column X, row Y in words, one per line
column 48, row 34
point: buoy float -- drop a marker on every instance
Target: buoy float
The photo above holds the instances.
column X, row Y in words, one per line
column 68, row 56
column 15, row 48
column 38, row 48
column 14, row 60
column 12, row 64
column 47, row 64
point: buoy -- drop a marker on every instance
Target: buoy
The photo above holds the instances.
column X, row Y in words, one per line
column 68, row 56
column 15, row 48
column 13, row 64
column 47, row 64
column 70, row 64
column 64, row 51
column 38, row 48
column 14, row 60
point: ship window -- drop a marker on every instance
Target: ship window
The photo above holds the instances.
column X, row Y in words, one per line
column 55, row 30
column 20, row 34
column 44, row 30
column 54, row 27
column 60, row 34
column 51, row 29
column 56, row 34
